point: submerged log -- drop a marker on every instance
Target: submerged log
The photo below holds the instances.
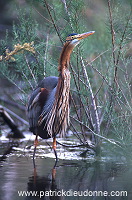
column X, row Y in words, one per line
column 10, row 122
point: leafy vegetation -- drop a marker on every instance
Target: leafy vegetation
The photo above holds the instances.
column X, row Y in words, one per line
column 100, row 67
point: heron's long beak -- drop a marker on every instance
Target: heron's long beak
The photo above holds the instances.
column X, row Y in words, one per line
column 84, row 35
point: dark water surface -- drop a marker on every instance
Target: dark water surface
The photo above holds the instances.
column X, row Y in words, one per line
column 75, row 177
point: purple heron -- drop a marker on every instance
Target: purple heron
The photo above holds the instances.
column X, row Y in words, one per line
column 48, row 107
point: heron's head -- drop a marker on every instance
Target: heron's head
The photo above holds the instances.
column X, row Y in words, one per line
column 75, row 38
column 71, row 41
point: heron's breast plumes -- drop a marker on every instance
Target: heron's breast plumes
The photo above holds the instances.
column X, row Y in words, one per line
column 59, row 115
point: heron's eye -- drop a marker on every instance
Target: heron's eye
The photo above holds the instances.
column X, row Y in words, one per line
column 72, row 37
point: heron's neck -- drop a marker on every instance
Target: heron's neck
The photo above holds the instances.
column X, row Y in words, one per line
column 65, row 56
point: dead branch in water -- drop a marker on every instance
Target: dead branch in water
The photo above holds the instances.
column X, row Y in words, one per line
column 10, row 122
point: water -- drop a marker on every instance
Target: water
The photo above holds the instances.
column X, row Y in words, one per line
column 75, row 177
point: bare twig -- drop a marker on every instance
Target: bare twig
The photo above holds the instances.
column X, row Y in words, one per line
column 12, row 103
column 81, row 104
column 79, row 145
column 100, row 136
column 113, row 42
column 8, row 78
column 55, row 26
column 32, row 74
column 42, row 15
column 27, row 79
column 68, row 13
column 76, row 133
column 122, row 39
column 92, row 100
column 112, row 33
column 46, row 55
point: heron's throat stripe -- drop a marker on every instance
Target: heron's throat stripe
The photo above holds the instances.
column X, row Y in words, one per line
column 59, row 116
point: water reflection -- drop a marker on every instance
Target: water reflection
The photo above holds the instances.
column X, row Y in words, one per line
column 83, row 175
column 82, row 178
column 43, row 186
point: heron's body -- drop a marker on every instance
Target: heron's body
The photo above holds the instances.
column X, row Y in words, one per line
column 48, row 108
column 41, row 97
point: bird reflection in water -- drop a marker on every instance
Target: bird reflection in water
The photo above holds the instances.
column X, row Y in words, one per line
column 44, row 188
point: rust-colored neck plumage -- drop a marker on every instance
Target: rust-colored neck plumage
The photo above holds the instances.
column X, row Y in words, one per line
column 59, row 116
column 65, row 56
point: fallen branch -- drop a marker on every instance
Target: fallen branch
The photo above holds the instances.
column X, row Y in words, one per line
column 78, row 145
column 15, row 115
column 10, row 122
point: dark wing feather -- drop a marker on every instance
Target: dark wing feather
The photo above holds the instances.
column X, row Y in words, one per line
column 41, row 102
column 36, row 103
column 47, row 107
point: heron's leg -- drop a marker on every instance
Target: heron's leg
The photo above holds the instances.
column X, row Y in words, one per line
column 54, row 148
column 35, row 146
column 53, row 173
column 54, row 168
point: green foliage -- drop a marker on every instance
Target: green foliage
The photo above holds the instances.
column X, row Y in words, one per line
column 93, row 67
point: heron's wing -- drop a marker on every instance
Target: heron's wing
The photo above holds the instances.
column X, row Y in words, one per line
column 36, row 103
column 41, row 101
column 47, row 107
